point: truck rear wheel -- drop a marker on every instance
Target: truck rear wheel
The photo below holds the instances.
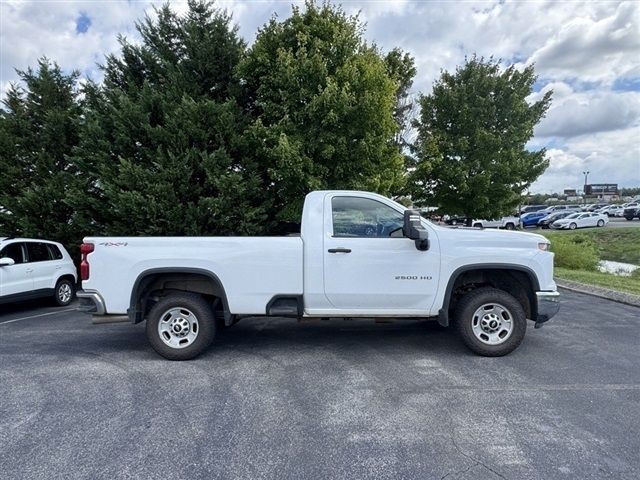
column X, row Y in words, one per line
column 491, row 322
column 181, row 326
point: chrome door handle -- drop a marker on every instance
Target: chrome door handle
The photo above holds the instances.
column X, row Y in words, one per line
column 339, row 250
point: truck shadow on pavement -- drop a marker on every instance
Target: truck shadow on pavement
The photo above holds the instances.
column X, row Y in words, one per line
column 289, row 337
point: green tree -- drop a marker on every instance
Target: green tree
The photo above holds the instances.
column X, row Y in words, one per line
column 162, row 149
column 323, row 105
column 39, row 126
column 472, row 132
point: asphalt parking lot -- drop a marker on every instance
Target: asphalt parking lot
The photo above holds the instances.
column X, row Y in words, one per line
column 321, row 399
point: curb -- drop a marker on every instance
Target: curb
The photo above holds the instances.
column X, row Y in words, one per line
column 600, row 292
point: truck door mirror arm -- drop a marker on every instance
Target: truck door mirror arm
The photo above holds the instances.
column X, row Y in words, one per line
column 414, row 230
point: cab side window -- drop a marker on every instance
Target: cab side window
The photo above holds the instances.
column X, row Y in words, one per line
column 38, row 252
column 13, row 251
column 364, row 218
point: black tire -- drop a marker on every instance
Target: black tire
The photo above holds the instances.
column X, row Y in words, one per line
column 510, row 226
column 477, row 225
column 64, row 292
column 573, row 226
column 206, row 325
column 463, row 319
column 601, row 223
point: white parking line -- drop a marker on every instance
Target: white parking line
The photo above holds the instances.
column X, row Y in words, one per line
column 35, row 316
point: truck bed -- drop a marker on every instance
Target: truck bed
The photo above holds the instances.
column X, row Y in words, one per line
column 252, row 269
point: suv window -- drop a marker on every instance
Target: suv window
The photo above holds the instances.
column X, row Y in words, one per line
column 38, row 252
column 54, row 251
column 364, row 217
column 14, row 251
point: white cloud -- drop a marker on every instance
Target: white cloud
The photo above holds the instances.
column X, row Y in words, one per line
column 593, row 47
column 610, row 157
column 573, row 114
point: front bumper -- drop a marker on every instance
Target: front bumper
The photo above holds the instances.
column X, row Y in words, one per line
column 91, row 302
column 548, row 306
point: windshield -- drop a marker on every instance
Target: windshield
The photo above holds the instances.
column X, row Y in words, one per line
column 573, row 215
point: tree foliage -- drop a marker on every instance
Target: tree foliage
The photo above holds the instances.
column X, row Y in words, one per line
column 39, row 126
column 472, row 132
column 323, row 105
column 163, row 145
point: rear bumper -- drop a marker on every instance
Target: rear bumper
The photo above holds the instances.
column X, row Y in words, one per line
column 91, row 302
column 548, row 306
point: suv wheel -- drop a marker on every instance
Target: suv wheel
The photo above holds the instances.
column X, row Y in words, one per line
column 491, row 322
column 181, row 326
column 64, row 292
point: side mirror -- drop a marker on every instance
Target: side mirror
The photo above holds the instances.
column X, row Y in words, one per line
column 6, row 262
column 414, row 230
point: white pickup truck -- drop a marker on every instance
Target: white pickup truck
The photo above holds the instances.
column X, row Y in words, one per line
column 359, row 254
column 508, row 223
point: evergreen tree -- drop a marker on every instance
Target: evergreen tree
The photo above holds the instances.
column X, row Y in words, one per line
column 162, row 148
column 323, row 104
column 472, row 133
column 39, row 126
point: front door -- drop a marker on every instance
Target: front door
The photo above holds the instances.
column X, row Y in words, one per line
column 17, row 278
column 369, row 267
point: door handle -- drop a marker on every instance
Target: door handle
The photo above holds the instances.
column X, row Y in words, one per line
column 339, row 250
column 29, row 270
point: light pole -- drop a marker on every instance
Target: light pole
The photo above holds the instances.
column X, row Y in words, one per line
column 584, row 190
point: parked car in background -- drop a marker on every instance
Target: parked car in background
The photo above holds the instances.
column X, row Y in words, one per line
column 562, row 208
column 455, row 220
column 620, row 212
column 531, row 208
column 581, row 220
column 545, row 222
column 608, row 210
column 31, row 268
column 531, row 219
column 595, row 207
column 508, row 223
column 632, row 212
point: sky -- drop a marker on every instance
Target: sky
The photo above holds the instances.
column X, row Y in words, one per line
column 587, row 53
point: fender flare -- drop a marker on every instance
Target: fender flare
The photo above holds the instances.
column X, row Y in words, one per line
column 443, row 313
column 136, row 315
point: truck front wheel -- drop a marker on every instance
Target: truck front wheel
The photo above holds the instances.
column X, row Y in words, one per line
column 491, row 322
column 181, row 326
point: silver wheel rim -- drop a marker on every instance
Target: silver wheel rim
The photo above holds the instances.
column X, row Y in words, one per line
column 64, row 293
column 573, row 226
column 178, row 327
column 600, row 223
column 492, row 324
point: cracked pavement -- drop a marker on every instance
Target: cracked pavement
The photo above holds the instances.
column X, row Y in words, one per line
column 275, row 398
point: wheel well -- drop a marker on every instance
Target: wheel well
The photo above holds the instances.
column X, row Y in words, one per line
column 517, row 283
column 151, row 286
column 67, row 277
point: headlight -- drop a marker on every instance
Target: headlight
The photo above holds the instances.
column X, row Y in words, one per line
column 544, row 246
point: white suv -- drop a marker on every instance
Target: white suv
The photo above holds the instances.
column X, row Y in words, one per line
column 35, row 268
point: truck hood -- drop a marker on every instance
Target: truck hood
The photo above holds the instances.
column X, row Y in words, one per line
column 490, row 237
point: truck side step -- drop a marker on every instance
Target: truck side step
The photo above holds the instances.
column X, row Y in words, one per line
column 99, row 319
